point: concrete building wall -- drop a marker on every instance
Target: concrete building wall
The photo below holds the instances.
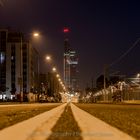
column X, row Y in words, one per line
column 3, row 43
column 17, row 67
column 8, row 70
column 25, row 71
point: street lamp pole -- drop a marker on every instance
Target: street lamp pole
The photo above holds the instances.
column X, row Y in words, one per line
column 104, row 82
column 104, row 78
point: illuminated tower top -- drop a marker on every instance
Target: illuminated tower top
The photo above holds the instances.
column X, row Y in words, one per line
column 66, row 30
column 66, row 40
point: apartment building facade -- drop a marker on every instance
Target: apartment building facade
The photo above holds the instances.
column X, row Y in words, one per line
column 19, row 65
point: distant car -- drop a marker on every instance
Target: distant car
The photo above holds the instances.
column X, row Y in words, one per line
column 43, row 98
column 51, row 99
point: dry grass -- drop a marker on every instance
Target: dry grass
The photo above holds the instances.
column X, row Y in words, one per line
column 13, row 114
column 124, row 117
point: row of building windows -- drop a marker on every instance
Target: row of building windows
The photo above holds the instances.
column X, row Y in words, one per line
column 2, row 58
column 10, row 42
column 13, row 65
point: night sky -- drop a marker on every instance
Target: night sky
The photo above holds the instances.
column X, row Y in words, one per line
column 101, row 31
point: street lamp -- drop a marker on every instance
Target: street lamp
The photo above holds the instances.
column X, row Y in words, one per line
column 54, row 69
column 36, row 34
column 48, row 58
column 57, row 75
column 138, row 76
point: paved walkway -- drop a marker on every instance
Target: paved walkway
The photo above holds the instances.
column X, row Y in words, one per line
column 27, row 129
column 39, row 127
column 95, row 129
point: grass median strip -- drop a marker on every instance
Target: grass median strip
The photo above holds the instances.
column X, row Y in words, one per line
column 124, row 117
column 66, row 127
column 12, row 115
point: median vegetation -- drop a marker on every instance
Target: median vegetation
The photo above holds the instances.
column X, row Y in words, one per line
column 124, row 117
column 11, row 115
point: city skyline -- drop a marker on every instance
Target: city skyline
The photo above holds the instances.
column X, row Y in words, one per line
column 100, row 31
column 69, row 69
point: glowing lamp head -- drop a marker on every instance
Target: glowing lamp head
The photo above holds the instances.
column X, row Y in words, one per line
column 53, row 69
column 36, row 34
column 48, row 58
column 138, row 75
column 57, row 75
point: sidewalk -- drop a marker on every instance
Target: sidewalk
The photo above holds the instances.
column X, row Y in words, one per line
column 95, row 129
column 38, row 127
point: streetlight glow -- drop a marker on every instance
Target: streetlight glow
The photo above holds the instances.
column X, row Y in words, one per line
column 48, row 58
column 138, row 75
column 54, row 69
column 57, row 75
column 36, row 34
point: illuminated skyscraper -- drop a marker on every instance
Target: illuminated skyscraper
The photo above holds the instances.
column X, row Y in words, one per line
column 73, row 70
column 70, row 66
